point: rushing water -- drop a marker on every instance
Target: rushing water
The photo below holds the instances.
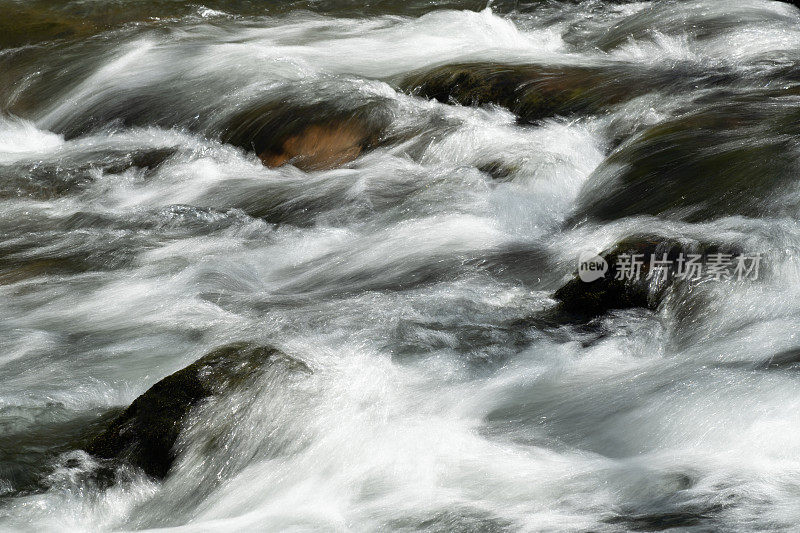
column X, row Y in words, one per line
column 133, row 240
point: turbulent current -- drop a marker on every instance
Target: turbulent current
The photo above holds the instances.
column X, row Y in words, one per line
column 147, row 218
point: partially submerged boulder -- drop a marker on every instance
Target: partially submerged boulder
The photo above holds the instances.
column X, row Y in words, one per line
column 317, row 136
column 319, row 146
column 33, row 438
column 737, row 157
column 693, row 21
column 144, row 434
column 532, row 92
column 625, row 286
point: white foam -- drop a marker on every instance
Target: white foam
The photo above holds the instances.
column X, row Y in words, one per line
column 20, row 139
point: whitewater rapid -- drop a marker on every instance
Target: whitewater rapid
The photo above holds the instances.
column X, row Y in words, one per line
column 133, row 241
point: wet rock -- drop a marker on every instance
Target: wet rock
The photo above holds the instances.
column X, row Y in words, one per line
column 726, row 159
column 316, row 136
column 662, row 521
column 98, row 253
column 608, row 292
column 33, row 437
column 144, row 434
column 31, row 25
column 532, row 92
column 319, row 147
column 620, row 287
column 39, row 267
column 73, row 173
column 40, row 21
column 498, row 170
column 695, row 21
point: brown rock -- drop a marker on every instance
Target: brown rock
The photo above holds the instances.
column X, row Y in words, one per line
column 319, row 147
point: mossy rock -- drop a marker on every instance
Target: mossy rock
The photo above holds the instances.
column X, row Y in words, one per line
column 585, row 300
column 734, row 158
column 532, row 92
column 144, row 434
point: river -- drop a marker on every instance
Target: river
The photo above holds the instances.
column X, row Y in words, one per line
column 139, row 230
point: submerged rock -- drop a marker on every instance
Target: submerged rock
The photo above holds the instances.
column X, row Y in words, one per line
column 693, row 21
column 144, row 434
column 317, row 136
column 734, row 158
column 319, row 147
column 622, row 286
column 532, row 92
column 30, row 25
column 39, row 21
column 32, row 438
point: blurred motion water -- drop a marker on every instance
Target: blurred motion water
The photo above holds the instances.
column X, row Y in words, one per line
column 139, row 230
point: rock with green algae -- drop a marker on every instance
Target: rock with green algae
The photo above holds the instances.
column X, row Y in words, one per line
column 144, row 434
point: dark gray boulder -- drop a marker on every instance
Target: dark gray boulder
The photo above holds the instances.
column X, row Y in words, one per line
column 583, row 300
column 144, row 434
